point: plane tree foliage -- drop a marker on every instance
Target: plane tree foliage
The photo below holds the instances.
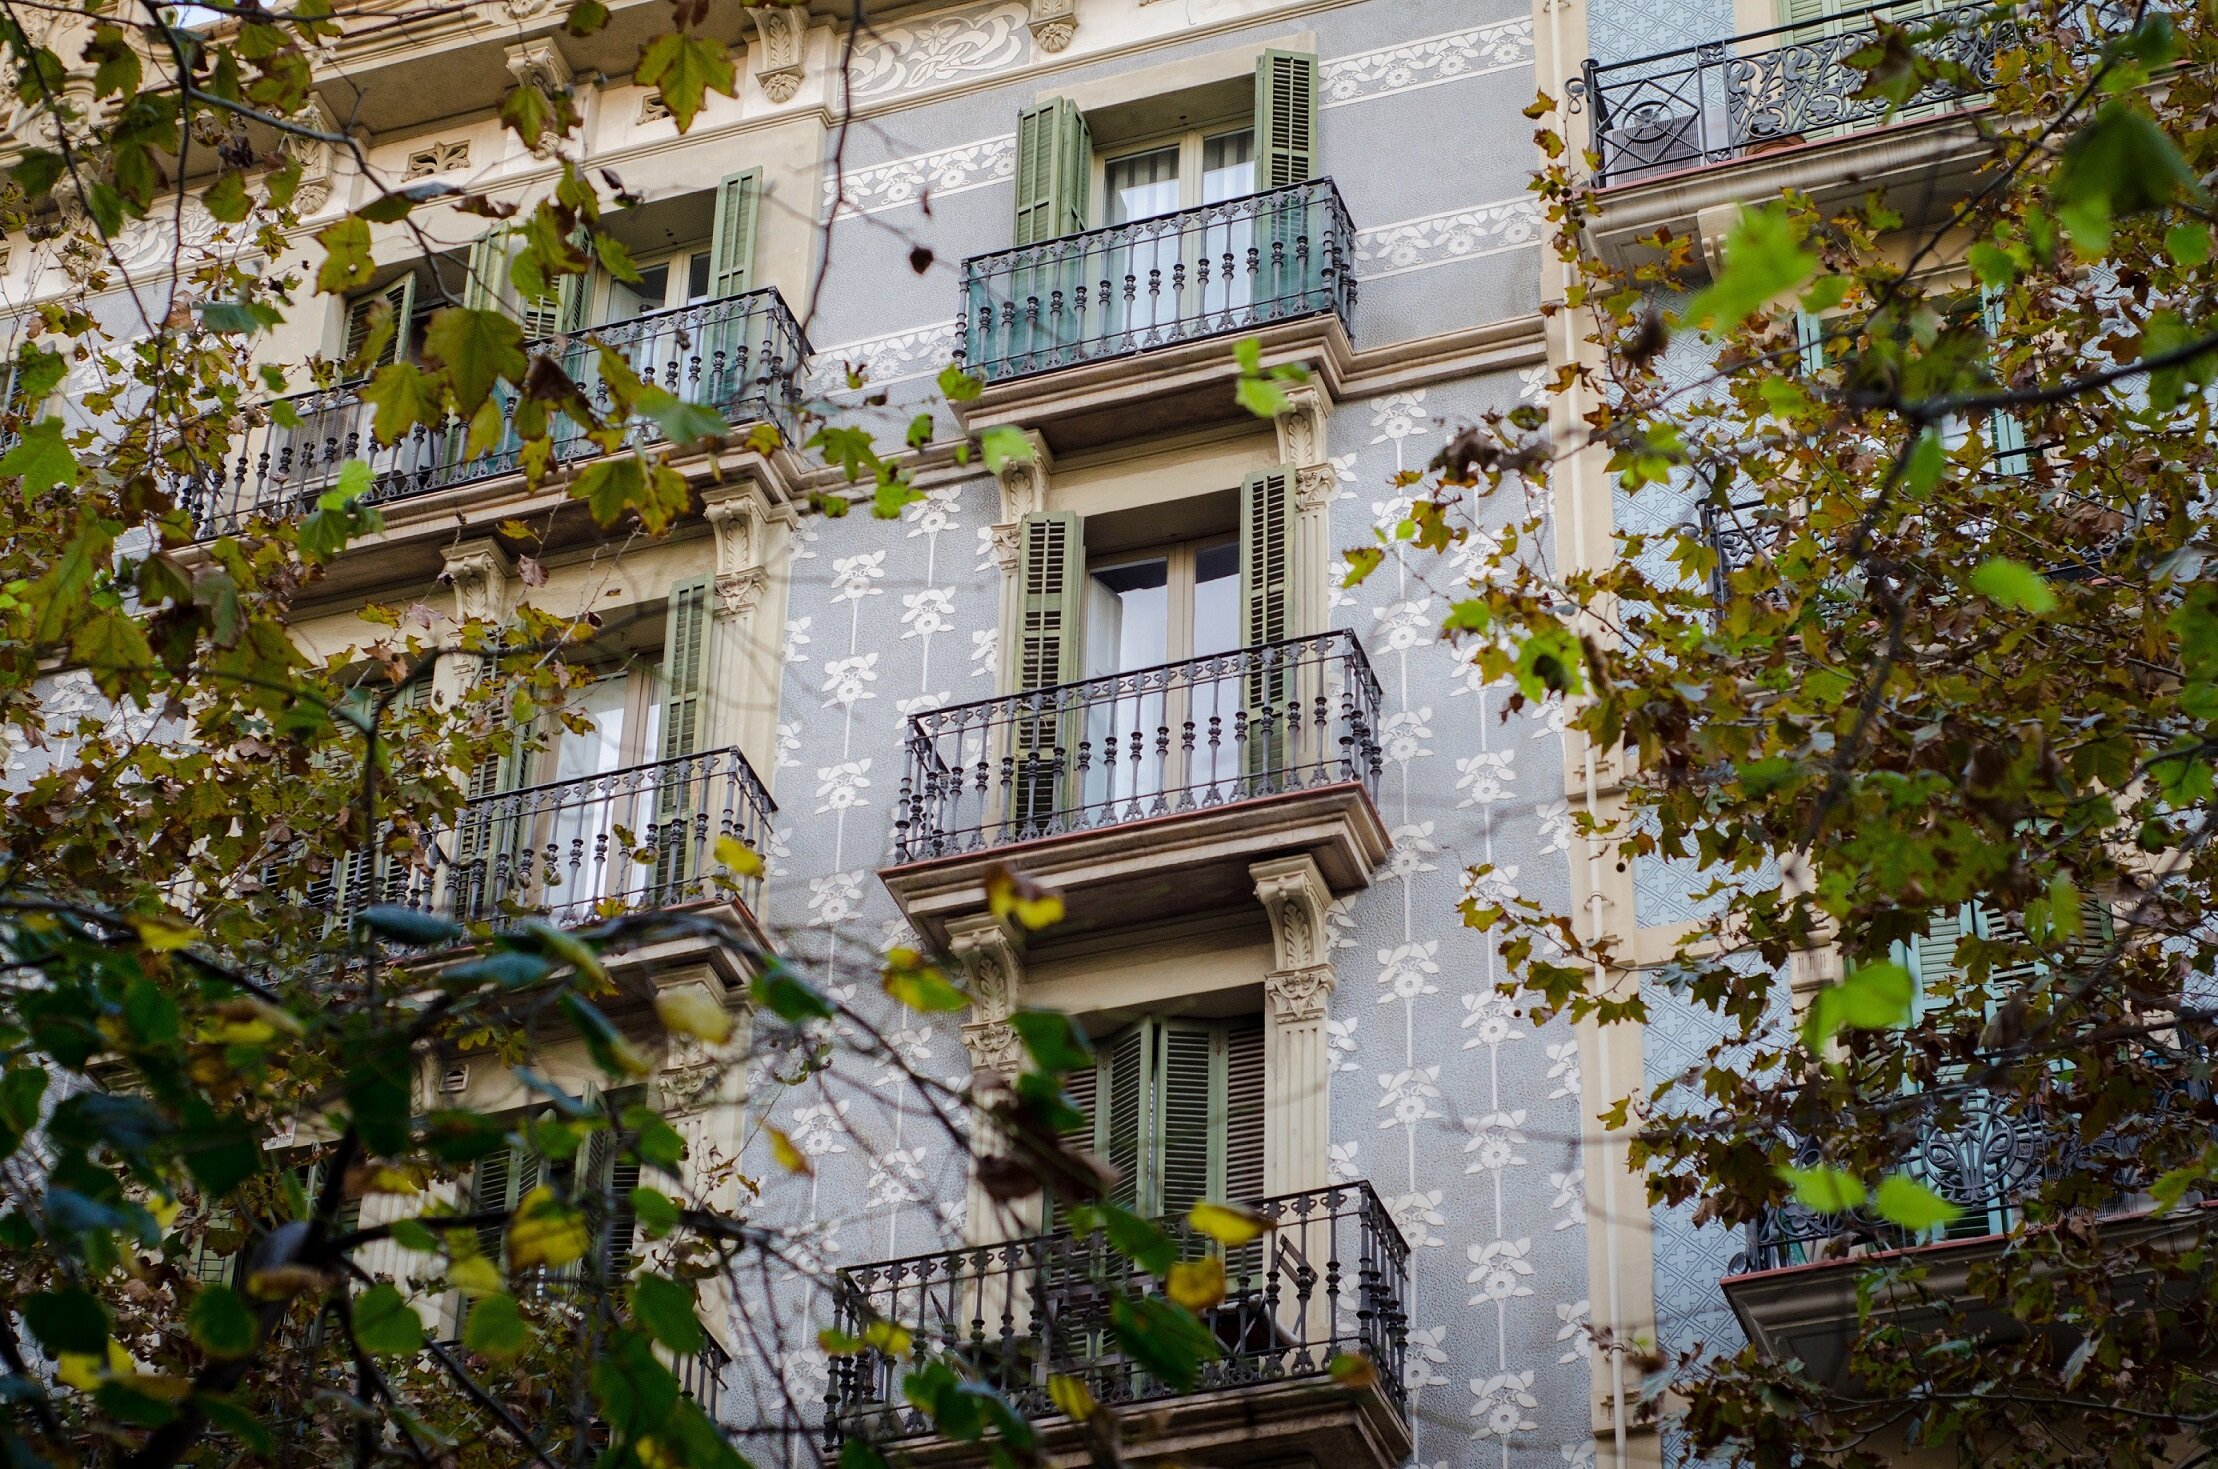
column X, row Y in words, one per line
column 1899, row 667
column 238, row 1222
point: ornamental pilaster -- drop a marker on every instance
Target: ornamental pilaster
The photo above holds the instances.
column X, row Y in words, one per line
column 1297, row 997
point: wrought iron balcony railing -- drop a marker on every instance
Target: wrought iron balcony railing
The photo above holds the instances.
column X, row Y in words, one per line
column 740, row 355
column 1287, row 716
column 1989, row 1156
column 1724, row 99
column 1227, row 267
column 1330, row 1277
column 576, row 850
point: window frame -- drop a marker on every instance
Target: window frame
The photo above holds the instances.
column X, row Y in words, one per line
column 1191, row 140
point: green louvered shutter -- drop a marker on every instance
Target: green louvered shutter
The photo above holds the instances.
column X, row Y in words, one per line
column 1051, row 582
column 490, row 844
column 1244, row 1102
column 502, row 1177
column 1122, row 1129
column 486, row 267
column 732, row 243
column 1054, row 171
column 1083, row 1088
column 611, row 1171
column 2006, row 431
column 1812, row 13
column 680, row 791
column 1267, row 617
column 1190, row 1116
column 401, row 296
column 1809, row 336
column 1285, row 119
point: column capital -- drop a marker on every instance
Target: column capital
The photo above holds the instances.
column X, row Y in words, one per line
column 478, row 572
column 780, row 31
column 1299, row 994
column 1024, row 481
column 1301, row 428
column 993, row 968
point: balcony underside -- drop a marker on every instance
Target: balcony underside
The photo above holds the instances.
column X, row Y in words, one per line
column 1161, row 868
column 1923, row 168
column 1807, row 1313
column 1166, row 390
column 1275, row 1423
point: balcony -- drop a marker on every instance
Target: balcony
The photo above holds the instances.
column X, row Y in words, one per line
column 1277, row 264
column 1989, row 1156
column 1329, row 1279
column 739, row 355
column 1782, row 105
column 1152, row 790
column 576, row 851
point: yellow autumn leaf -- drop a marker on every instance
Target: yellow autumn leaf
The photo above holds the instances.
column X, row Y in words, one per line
column 1353, row 1370
column 1070, row 1397
column 86, row 1370
column 1012, row 895
column 546, row 1231
column 1226, row 1224
column 789, row 1157
column 1196, row 1284
column 474, row 1275
column 738, row 856
column 165, row 1212
column 889, row 1338
column 156, row 1385
column 691, row 1011
column 163, row 932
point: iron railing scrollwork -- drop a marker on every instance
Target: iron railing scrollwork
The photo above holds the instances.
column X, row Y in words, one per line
column 576, row 850
column 1989, row 1155
column 1292, row 715
column 1226, row 267
column 741, row 355
column 1329, row 1278
column 1723, row 99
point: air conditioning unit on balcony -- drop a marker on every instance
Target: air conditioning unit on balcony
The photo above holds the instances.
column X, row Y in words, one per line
column 1651, row 141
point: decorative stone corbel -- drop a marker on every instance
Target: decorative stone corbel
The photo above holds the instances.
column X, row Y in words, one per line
column 478, row 573
column 1301, row 428
column 1003, row 538
column 737, row 521
column 781, row 34
column 316, row 157
column 1053, row 23
column 1297, row 998
column 540, row 64
column 1024, row 481
column 986, row 947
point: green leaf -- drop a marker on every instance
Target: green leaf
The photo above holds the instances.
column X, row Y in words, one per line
column 1003, row 445
column 665, row 1308
column 681, row 422
column 2121, row 163
column 913, row 982
column 586, row 17
column 220, row 1323
column 788, row 996
column 71, row 1319
column 527, row 113
column 2013, row 584
column 385, row 1324
column 958, row 386
column 40, row 459
column 685, row 69
column 655, row 1210
column 477, row 349
column 495, row 1327
column 347, row 265
column 227, row 198
column 1928, row 461
column 1765, row 257
column 238, row 318
column 2188, row 243
column 404, row 397
column 1824, row 1188
column 1905, row 1201
column 1053, row 1040
column 410, row 926
column 625, row 484
column 1261, row 397
column 1874, row 997
column 1165, row 1340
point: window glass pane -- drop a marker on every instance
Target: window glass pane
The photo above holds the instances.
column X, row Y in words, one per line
column 697, row 277
column 627, row 299
column 1126, row 626
column 1142, row 185
column 1228, row 166
column 1216, row 598
column 601, row 749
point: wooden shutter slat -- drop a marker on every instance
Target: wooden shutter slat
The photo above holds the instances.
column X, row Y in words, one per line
column 732, row 240
column 1243, row 1183
column 1122, row 1127
column 1054, row 170
column 1191, row 1112
column 1285, row 119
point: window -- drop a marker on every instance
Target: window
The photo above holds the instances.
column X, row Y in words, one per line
column 408, row 323
column 1159, row 718
column 268, row 1200
column 607, row 1167
column 603, row 811
column 1176, row 1106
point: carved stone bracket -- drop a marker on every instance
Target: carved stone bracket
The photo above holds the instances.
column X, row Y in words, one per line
column 1301, row 428
column 1313, row 486
column 781, row 32
column 540, row 64
column 1024, row 481
column 1053, row 23
column 1004, row 541
column 993, row 967
column 1294, row 896
column 479, row 573
column 1299, row 994
column 741, row 576
column 313, row 154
